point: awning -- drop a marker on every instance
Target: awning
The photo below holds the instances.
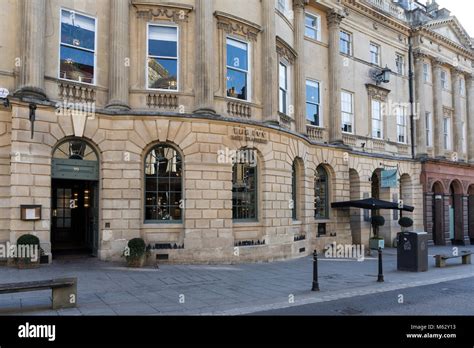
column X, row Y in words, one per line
column 372, row 204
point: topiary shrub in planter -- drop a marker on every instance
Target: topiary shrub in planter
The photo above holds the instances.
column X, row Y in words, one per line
column 28, row 244
column 405, row 223
column 377, row 242
column 136, row 253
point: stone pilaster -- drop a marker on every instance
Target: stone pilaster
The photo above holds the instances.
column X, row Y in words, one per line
column 470, row 117
column 269, row 63
column 438, row 109
column 32, row 51
column 119, row 53
column 204, row 67
column 300, row 80
column 457, row 104
column 421, row 148
column 335, row 131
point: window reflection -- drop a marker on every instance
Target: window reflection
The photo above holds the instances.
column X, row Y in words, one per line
column 162, row 57
column 163, row 184
column 77, row 51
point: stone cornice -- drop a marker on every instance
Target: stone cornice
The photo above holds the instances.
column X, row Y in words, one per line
column 237, row 26
column 285, row 50
column 422, row 31
column 377, row 15
column 454, row 24
column 439, row 62
column 164, row 11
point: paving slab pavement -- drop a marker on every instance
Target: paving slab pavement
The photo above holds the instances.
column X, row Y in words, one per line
column 106, row 288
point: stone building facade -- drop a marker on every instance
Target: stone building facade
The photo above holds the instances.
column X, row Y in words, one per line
column 443, row 54
column 126, row 118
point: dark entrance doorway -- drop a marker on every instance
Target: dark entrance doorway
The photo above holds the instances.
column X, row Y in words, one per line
column 74, row 199
column 73, row 217
column 471, row 214
column 438, row 214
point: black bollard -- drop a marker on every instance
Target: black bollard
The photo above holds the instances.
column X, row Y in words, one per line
column 380, row 277
column 315, row 272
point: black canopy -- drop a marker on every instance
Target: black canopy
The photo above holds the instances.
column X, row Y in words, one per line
column 372, row 204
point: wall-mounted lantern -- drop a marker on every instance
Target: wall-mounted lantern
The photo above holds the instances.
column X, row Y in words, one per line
column 382, row 76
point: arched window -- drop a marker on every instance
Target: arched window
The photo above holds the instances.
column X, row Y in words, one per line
column 294, row 208
column 163, row 185
column 244, row 190
column 75, row 149
column 321, row 189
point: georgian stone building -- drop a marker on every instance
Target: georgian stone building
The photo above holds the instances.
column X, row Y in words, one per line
column 443, row 54
column 217, row 132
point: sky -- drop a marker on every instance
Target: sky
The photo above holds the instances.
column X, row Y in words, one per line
column 463, row 10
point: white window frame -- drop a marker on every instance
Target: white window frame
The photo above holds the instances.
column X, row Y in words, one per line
column 317, row 29
column 96, row 26
column 402, row 125
column 350, row 42
column 444, row 79
column 177, row 57
column 429, row 128
column 285, row 89
column 249, row 70
column 351, row 113
column 400, row 63
column 378, row 54
column 426, row 73
column 321, row 123
column 447, row 130
column 376, row 120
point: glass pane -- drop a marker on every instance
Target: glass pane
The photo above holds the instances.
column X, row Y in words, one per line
column 236, row 84
column 163, row 41
column 283, row 77
column 312, row 114
column 77, row 30
column 310, row 32
column 150, row 183
column 163, row 73
column 151, row 198
column 312, row 92
column 237, row 56
column 311, row 21
column 76, row 64
column 244, row 192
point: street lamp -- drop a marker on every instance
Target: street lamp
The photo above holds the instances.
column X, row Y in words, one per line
column 382, row 76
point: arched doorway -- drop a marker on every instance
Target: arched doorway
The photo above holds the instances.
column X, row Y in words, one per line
column 74, row 205
column 456, row 218
column 438, row 214
column 471, row 213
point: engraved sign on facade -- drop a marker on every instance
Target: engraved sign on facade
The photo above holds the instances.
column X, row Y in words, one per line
column 249, row 134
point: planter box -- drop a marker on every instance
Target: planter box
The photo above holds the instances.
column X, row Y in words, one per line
column 27, row 264
column 375, row 244
column 136, row 262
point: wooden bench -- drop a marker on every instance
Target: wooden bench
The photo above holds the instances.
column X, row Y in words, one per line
column 64, row 290
column 441, row 259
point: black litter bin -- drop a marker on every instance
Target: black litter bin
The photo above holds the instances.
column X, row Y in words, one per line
column 412, row 253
